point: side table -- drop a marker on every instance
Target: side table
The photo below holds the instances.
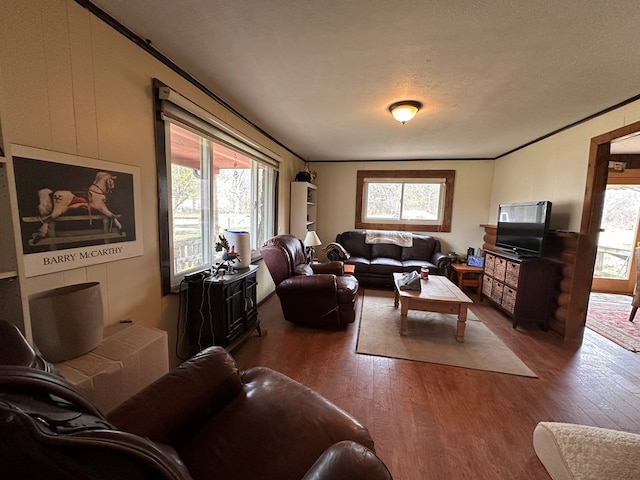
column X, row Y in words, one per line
column 467, row 276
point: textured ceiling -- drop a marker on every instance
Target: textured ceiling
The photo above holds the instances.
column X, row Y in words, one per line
column 319, row 75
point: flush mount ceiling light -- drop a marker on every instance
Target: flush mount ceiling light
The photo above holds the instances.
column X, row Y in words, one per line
column 405, row 110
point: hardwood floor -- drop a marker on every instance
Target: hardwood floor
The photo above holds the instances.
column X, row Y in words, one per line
column 434, row 421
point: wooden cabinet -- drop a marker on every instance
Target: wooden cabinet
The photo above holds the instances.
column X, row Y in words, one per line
column 304, row 209
column 221, row 311
column 523, row 288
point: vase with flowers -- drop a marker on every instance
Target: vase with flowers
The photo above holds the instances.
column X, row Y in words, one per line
column 229, row 256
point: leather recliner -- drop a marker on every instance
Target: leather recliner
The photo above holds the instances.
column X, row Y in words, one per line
column 316, row 295
column 203, row 420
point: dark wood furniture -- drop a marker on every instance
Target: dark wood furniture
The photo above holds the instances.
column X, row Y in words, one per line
column 467, row 276
column 221, row 311
column 523, row 288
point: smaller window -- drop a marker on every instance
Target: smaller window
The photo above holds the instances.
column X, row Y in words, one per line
column 417, row 200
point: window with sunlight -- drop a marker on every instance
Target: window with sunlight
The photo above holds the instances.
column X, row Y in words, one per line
column 403, row 200
column 213, row 183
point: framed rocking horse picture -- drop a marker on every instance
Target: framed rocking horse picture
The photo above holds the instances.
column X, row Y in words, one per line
column 75, row 211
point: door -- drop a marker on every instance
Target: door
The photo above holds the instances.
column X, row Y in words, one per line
column 614, row 270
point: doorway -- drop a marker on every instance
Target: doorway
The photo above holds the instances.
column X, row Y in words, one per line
column 614, row 270
column 581, row 276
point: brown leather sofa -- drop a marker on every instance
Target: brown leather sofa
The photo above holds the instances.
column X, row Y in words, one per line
column 316, row 295
column 203, row 420
column 375, row 263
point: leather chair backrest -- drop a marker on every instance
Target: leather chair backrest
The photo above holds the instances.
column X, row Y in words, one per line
column 16, row 350
column 282, row 254
column 48, row 430
column 386, row 250
column 423, row 248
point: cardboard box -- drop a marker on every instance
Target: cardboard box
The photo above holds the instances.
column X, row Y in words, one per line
column 130, row 357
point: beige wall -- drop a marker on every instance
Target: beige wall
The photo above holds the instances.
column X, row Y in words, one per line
column 555, row 169
column 337, row 198
column 71, row 84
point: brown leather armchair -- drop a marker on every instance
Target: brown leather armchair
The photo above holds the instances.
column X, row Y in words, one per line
column 203, row 420
column 316, row 295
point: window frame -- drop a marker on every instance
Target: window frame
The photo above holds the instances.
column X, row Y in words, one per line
column 363, row 176
column 197, row 120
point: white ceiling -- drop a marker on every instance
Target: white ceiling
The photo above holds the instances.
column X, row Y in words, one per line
column 318, row 75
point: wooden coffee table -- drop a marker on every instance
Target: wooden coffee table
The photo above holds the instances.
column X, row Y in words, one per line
column 439, row 295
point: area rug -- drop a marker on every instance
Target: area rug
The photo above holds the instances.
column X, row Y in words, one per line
column 431, row 338
column 608, row 315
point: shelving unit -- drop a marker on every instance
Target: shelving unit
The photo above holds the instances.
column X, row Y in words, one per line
column 11, row 301
column 303, row 212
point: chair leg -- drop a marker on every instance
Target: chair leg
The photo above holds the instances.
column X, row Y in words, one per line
column 633, row 313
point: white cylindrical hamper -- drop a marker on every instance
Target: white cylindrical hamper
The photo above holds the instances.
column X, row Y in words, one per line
column 68, row 321
column 242, row 242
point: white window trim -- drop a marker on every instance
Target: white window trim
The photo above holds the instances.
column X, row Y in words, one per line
column 173, row 108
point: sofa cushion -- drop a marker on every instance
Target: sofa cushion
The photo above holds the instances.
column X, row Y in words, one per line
column 361, row 264
column 416, row 265
column 353, row 242
column 422, row 249
column 385, row 266
column 386, row 250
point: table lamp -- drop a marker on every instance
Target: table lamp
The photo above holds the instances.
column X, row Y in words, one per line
column 311, row 241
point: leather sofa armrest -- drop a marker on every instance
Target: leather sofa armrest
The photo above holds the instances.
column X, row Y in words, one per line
column 173, row 406
column 303, row 284
column 336, row 252
column 334, row 267
column 442, row 261
column 348, row 460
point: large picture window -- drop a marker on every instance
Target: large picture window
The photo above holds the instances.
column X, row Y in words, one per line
column 213, row 181
column 416, row 200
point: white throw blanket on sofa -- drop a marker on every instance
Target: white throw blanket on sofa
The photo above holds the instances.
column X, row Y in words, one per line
column 403, row 239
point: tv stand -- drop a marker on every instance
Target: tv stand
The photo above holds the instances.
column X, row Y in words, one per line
column 521, row 287
column 516, row 255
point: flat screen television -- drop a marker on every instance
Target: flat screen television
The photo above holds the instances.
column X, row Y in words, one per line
column 523, row 227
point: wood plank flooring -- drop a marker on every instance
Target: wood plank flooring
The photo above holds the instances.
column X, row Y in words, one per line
column 434, row 421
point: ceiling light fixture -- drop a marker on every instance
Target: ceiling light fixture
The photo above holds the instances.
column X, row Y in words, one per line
column 405, row 110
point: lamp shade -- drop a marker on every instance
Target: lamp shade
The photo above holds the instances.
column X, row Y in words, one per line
column 311, row 239
column 405, row 110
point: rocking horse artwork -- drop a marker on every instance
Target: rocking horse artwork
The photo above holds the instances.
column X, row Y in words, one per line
column 55, row 204
column 75, row 211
